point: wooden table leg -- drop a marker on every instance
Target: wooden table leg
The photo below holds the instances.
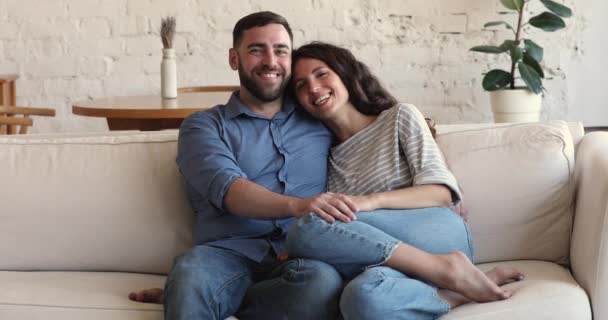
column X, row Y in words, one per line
column 143, row 124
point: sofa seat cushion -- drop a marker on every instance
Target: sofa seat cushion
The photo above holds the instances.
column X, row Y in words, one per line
column 548, row 292
column 76, row 295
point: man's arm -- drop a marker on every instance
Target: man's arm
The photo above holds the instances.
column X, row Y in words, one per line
column 248, row 199
column 210, row 167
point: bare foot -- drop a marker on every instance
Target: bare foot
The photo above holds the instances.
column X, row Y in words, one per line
column 499, row 275
column 154, row 295
column 464, row 278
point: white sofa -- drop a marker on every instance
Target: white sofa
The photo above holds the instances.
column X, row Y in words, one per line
column 87, row 218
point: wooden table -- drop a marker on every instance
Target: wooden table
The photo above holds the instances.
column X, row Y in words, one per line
column 148, row 113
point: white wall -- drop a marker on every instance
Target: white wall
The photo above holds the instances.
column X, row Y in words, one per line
column 69, row 50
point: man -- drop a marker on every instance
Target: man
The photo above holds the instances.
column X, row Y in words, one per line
column 252, row 166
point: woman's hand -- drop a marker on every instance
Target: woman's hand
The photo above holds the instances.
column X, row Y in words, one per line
column 365, row 203
column 329, row 206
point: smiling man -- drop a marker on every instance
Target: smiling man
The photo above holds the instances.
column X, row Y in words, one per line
column 251, row 167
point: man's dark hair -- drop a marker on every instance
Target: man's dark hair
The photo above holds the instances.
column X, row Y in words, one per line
column 257, row 19
column 364, row 89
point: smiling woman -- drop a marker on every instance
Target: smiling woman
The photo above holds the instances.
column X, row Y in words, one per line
column 387, row 166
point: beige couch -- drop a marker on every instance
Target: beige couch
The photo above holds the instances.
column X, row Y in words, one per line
column 87, row 218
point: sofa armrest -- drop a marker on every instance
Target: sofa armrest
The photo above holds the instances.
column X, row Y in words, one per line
column 589, row 247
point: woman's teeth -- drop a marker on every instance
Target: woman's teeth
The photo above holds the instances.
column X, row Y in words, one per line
column 322, row 99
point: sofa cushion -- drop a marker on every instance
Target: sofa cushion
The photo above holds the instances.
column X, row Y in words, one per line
column 547, row 293
column 110, row 202
column 76, row 295
column 518, row 185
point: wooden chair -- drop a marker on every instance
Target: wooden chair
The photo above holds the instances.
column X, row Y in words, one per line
column 9, row 119
column 208, row 89
column 7, row 90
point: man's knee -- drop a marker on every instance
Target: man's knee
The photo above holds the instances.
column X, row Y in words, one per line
column 319, row 276
column 360, row 298
column 198, row 283
column 322, row 289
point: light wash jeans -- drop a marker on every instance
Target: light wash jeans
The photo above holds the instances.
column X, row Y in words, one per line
column 215, row 283
column 357, row 249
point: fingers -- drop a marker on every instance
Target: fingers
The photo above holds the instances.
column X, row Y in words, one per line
column 333, row 206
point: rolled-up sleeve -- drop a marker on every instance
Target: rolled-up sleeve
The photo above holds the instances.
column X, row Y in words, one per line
column 204, row 159
column 425, row 160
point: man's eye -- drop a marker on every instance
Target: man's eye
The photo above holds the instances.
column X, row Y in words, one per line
column 282, row 52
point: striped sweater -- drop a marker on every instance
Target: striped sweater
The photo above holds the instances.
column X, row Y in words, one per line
column 395, row 151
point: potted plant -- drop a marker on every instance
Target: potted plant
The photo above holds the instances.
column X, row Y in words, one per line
column 521, row 102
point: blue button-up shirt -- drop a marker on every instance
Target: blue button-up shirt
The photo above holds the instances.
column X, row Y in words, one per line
column 286, row 154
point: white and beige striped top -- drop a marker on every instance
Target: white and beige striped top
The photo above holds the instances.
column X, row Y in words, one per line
column 395, row 151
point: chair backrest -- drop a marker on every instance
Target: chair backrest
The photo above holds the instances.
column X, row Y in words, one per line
column 12, row 117
column 208, row 89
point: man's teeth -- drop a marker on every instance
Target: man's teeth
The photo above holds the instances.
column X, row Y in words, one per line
column 322, row 99
column 269, row 75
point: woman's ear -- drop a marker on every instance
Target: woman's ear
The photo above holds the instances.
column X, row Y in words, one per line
column 233, row 59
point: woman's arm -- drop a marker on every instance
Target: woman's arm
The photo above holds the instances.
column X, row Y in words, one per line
column 420, row 196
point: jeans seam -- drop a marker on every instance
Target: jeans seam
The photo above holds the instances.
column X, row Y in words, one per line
column 219, row 291
column 469, row 241
column 386, row 251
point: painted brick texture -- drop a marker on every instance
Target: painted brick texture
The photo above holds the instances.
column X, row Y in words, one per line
column 70, row 50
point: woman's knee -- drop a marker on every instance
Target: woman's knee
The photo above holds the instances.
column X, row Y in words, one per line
column 302, row 234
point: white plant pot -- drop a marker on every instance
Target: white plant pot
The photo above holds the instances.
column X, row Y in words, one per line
column 518, row 105
column 168, row 75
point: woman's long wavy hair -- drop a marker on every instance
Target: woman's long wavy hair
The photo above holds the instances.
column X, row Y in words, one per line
column 364, row 89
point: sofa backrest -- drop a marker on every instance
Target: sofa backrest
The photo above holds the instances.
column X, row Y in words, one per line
column 111, row 202
column 116, row 201
column 518, row 184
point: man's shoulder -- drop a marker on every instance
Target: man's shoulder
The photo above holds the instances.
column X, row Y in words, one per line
column 214, row 116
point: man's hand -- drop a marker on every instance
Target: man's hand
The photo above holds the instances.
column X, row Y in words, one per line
column 329, row 206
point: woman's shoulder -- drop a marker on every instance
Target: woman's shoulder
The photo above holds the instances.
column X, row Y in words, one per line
column 405, row 110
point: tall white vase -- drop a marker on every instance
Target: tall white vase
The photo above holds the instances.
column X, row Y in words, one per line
column 517, row 105
column 168, row 75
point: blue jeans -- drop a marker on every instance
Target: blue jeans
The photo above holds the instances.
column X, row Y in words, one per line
column 358, row 249
column 215, row 283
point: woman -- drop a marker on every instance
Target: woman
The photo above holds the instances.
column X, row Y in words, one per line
column 385, row 160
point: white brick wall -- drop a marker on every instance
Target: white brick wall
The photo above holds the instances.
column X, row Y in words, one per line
column 69, row 50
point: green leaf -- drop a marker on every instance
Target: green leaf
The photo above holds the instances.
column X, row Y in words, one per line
column 497, row 23
column 509, row 45
column 547, row 21
column 530, row 77
column 516, row 54
column 513, row 4
column 496, row 79
column 534, row 50
column 557, row 8
column 488, row 49
column 530, row 61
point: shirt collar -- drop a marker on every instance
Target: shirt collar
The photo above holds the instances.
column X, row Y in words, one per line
column 235, row 107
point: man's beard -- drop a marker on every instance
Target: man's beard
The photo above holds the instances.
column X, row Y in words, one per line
column 258, row 90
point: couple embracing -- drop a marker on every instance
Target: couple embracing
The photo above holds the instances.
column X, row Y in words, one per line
column 350, row 216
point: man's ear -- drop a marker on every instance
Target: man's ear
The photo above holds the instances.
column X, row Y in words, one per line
column 233, row 59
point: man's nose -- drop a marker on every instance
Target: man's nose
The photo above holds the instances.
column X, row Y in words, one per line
column 270, row 59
